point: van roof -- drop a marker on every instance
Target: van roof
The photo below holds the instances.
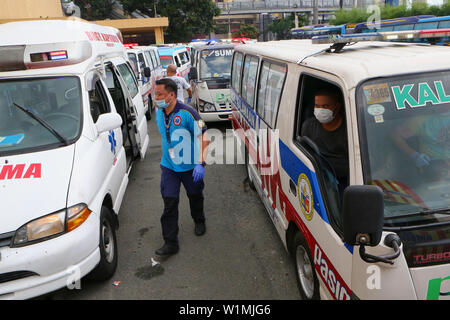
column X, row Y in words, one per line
column 86, row 41
column 168, row 51
column 360, row 61
column 216, row 46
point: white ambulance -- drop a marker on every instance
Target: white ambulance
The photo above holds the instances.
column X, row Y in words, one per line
column 72, row 123
column 147, row 66
column 388, row 235
column 210, row 79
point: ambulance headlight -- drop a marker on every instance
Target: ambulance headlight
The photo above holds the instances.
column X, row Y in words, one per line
column 204, row 106
column 51, row 226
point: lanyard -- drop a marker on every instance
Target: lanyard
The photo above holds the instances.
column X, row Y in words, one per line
column 167, row 125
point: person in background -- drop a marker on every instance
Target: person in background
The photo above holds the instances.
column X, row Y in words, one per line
column 181, row 83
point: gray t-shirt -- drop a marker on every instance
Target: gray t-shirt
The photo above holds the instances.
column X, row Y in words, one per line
column 182, row 85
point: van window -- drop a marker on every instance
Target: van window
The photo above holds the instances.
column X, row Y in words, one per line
column 182, row 58
column 249, row 79
column 98, row 102
column 237, row 72
column 177, row 61
column 55, row 100
column 134, row 63
column 331, row 162
column 142, row 63
column 116, row 92
column 151, row 54
column 270, row 90
column 167, row 60
column 129, row 79
column 151, row 62
column 158, row 58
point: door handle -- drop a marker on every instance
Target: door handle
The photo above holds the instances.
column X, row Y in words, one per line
column 292, row 187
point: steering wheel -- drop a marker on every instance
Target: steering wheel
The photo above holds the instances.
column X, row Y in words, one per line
column 60, row 114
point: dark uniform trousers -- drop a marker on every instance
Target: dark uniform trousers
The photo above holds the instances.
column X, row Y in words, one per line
column 170, row 191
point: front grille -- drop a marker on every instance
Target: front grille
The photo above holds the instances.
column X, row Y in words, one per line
column 6, row 239
column 11, row 276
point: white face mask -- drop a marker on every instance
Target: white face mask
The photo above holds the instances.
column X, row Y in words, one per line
column 323, row 115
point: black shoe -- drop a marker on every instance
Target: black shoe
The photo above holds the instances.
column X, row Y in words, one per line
column 167, row 250
column 200, row 228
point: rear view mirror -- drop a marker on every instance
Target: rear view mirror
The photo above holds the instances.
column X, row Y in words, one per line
column 108, row 121
column 193, row 74
column 362, row 215
column 147, row 72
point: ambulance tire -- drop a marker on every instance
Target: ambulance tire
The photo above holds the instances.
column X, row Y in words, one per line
column 108, row 248
column 247, row 168
column 307, row 281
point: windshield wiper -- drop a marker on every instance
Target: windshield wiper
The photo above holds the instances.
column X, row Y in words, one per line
column 421, row 213
column 43, row 123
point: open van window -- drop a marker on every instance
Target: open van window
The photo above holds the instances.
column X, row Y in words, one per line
column 405, row 141
column 55, row 100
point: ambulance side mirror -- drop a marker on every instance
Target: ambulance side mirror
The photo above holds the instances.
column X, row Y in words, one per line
column 147, row 72
column 363, row 215
column 193, row 74
column 108, row 121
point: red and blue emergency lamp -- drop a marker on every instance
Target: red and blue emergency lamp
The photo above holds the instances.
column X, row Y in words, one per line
column 383, row 36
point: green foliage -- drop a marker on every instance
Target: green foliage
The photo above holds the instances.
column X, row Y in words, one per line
column 246, row 30
column 145, row 6
column 389, row 12
column 95, row 9
column 281, row 27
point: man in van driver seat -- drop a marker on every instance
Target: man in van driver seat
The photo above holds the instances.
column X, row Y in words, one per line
column 328, row 130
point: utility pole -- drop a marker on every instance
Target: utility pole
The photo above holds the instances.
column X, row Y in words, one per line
column 316, row 12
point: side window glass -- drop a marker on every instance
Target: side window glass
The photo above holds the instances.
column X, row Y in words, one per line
column 177, row 61
column 142, row 63
column 237, row 70
column 151, row 62
column 158, row 58
column 129, row 79
column 249, row 79
column 98, row 101
column 262, row 89
column 153, row 57
column 275, row 83
column 134, row 64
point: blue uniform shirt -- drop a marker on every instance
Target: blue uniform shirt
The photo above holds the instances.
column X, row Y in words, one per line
column 182, row 126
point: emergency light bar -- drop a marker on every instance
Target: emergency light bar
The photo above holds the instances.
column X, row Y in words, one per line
column 131, row 45
column 382, row 36
column 15, row 58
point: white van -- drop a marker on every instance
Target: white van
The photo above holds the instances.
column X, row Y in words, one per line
column 387, row 236
column 147, row 66
column 177, row 55
column 210, row 81
column 72, row 123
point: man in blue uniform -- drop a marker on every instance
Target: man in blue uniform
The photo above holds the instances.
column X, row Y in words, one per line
column 184, row 149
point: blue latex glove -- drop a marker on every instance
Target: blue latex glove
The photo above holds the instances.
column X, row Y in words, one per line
column 421, row 159
column 199, row 173
column 189, row 100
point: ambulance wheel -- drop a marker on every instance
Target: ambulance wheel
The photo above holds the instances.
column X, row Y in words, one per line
column 108, row 248
column 304, row 266
column 249, row 179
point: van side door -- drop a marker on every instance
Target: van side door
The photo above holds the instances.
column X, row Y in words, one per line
column 135, row 105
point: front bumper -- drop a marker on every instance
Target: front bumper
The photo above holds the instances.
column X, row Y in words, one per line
column 215, row 116
column 57, row 262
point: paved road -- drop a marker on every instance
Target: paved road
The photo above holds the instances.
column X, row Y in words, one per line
column 240, row 256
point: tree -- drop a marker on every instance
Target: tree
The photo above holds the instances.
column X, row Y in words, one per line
column 281, row 27
column 145, row 6
column 186, row 17
column 95, row 9
column 246, row 30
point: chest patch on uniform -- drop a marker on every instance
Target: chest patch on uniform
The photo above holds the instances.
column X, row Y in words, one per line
column 177, row 121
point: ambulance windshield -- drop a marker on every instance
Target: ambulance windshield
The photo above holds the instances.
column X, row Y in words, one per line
column 216, row 63
column 56, row 101
column 405, row 139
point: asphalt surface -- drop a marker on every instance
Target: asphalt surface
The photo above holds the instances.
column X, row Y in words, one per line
column 240, row 257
